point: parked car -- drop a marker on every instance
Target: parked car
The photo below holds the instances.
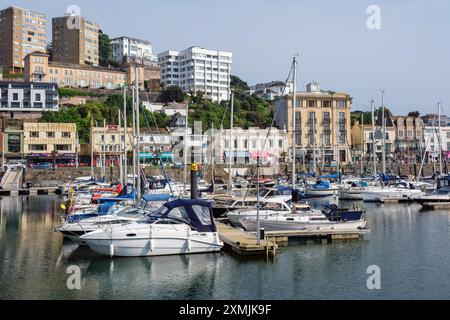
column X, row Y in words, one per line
column 43, row 165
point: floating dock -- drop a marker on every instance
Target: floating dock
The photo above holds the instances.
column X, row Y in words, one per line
column 330, row 235
column 243, row 243
column 436, row 205
column 30, row 192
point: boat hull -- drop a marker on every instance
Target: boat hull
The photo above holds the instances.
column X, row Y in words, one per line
column 251, row 226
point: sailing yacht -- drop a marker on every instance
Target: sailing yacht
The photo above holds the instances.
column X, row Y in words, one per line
column 403, row 191
column 178, row 227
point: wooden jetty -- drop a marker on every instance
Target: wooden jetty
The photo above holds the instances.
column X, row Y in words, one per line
column 330, row 235
column 436, row 205
column 243, row 243
column 29, row 192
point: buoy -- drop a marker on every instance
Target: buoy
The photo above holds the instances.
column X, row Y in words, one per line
column 111, row 250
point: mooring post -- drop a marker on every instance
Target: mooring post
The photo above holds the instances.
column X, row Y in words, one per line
column 194, row 181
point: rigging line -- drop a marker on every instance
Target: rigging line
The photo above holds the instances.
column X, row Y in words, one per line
column 268, row 133
column 154, row 142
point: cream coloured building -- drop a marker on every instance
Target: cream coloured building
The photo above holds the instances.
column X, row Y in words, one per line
column 323, row 123
column 43, row 141
column 38, row 68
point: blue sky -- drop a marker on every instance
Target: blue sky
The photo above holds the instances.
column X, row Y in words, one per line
column 409, row 57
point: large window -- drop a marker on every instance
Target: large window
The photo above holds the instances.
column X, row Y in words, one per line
column 203, row 214
column 38, row 147
column 34, row 134
column 14, row 143
column 66, row 134
column 62, row 147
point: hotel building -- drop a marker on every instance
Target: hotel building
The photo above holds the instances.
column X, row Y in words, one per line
column 22, row 31
column 75, row 40
column 197, row 69
column 323, row 124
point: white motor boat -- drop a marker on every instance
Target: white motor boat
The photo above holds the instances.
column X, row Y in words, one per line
column 76, row 226
column 400, row 192
column 322, row 189
column 269, row 206
column 179, row 227
column 312, row 220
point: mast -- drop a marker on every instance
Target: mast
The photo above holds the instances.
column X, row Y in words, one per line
column 134, row 136
column 439, row 138
column 374, row 153
column 314, row 144
column 362, row 142
column 124, row 150
column 294, row 125
column 104, row 150
column 120, row 149
column 186, row 148
column 231, row 142
column 92, row 149
column 384, row 132
column 138, row 134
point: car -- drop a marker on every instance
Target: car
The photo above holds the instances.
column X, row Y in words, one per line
column 43, row 165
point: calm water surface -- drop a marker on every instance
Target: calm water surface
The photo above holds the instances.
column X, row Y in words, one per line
column 410, row 246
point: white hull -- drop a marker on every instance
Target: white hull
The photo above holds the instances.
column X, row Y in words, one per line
column 350, row 195
column 322, row 193
column 235, row 217
column 160, row 247
column 251, row 225
column 142, row 240
column 390, row 194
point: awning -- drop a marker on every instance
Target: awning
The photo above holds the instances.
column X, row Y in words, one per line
column 264, row 155
column 46, row 156
column 149, row 155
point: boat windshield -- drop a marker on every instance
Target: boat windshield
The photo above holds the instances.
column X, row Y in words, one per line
column 154, row 216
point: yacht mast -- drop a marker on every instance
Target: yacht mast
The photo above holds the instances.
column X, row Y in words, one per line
column 124, row 150
column 134, row 135
column 314, row 143
column 138, row 134
column 362, row 142
column 374, row 154
column 120, row 150
column 294, row 125
column 384, row 132
column 440, row 138
column 231, row 144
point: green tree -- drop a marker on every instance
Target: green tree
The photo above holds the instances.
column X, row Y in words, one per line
column 172, row 94
column 238, row 84
column 104, row 48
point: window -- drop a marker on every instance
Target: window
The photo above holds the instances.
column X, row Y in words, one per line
column 50, row 134
column 37, row 97
column 342, row 104
column 179, row 214
column 38, row 147
column 66, row 134
column 113, row 138
column 62, row 147
column 14, row 143
column 34, row 134
column 15, row 96
column 203, row 214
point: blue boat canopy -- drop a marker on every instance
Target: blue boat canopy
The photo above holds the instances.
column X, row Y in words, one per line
column 157, row 197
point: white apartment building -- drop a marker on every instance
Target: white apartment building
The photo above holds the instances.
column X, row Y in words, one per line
column 249, row 144
column 126, row 49
column 272, row 90
column 198, row 69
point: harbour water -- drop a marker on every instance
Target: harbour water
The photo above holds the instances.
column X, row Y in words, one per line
column 410, row 246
